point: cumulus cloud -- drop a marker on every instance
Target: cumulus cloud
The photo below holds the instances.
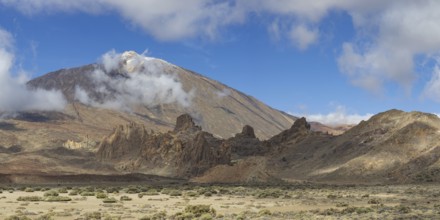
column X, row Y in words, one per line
column 339, row 116
column 15, row 96
column 390, row 34
column 164, row 19
column 401, row 31
column 138, row 80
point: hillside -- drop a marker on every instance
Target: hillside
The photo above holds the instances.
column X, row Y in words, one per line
column 218, row 108
column 392, row 146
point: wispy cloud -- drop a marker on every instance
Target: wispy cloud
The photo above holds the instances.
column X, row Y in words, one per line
column 303, row 37
column 15, row 96
column 432, row 88
column 223, row 93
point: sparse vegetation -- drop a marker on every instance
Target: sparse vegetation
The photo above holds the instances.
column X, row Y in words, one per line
column 175, row 193
column 109, row 200
column 62, row 190
column 18, row 217
column 73, row 193
column 30, row 198
column 88, row 194
column 125, row 198
column 199, row 210
column 101, row 195
column 257, row 202
column 50, row 193
column 58, row 199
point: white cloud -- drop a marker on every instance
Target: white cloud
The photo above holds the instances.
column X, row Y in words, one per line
column 389, row 41
column 32, row 7
column 14, row 95
column 176, row 19
column 432, row 89
column 141, row 80
column 339, row 116
column 164, row 19
column 303, row 37
column 389, row 34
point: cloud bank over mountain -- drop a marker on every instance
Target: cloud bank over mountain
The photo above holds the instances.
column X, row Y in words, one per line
column 15, row 96
column 390, row 36
column 139, row 80
column 339, row 116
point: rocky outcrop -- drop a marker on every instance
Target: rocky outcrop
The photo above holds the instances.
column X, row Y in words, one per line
column 245, row 144
column 299, row 130
column 184, row 152
column 186, row 123
column 393, row 146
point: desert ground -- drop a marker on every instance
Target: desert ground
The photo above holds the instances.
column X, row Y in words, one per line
column 302, row 201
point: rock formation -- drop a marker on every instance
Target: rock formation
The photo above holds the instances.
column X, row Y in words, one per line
column 246, row 144
column 299, row 130
column 187, row 151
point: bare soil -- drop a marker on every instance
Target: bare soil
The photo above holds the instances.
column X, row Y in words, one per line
column 229, row 202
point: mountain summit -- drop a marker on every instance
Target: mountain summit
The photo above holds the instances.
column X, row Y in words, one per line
column 147, row 90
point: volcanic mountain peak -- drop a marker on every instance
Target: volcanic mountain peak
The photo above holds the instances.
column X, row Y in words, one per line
column 132, row 87
column 134, row 62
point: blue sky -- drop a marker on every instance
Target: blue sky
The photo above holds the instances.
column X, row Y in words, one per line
column 329, row 60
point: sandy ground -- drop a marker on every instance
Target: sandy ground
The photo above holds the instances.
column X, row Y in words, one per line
column 385, row 202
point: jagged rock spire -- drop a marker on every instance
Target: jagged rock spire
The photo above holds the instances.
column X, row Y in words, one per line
column 185, row 122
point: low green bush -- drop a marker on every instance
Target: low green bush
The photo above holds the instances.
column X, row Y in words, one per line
column 403, row 209
column 58, row 199
column 93, row 216
column 50, row 193
column 125, row 198
column 264, row 212
column 109, row 200
column 88, row 194
column 17, row 217
column 62, row 190
column 113, row 189
column 133, row 190
column 357, row 210
column 175, row 193
column 30, row 198
column 199, row 210
column 268, row 193
column 374, row 201
column 151, row 192
column 73, row 193
column 101, row 195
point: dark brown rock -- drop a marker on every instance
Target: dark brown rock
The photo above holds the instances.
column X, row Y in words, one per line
column 186, row 122
column 299, row 130
column 300, row 124
column 185, row 152
column 247, row 132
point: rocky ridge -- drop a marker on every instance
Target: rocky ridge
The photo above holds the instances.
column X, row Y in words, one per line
column 186, row 151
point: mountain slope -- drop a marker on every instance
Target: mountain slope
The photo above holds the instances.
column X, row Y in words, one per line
column 218, row 108
column 380, row 149
column 391, row 147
